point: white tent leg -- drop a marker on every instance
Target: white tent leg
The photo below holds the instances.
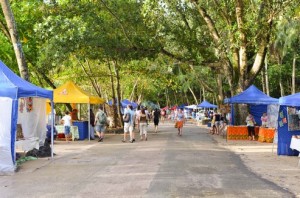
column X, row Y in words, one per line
column 52, row 128
column 89, row 121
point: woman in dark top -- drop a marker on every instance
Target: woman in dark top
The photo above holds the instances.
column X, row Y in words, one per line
column 156, row 116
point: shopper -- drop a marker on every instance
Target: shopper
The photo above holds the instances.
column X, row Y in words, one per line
column 100, row 123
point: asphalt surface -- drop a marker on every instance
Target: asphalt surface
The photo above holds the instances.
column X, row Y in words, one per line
column 166, row 165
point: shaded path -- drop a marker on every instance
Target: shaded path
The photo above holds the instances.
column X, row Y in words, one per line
column 165, row 166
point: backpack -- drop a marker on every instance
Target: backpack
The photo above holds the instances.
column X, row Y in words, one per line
column 127, row 117
column 101, row 118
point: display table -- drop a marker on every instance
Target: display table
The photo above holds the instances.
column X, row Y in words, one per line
column 239, row 132
column 266, row 134
column 27, row 144
column 83, row 128
column 295, row 144
column 74, row 131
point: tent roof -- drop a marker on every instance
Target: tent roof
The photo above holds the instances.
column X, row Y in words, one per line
column 252, row 95
column 206, row 104
column 124, row 103
column 71, row 93
column 191, row 107
column 290, row 100
column 13, row 86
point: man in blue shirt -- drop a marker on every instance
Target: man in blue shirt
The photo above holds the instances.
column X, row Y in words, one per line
column 129, row 118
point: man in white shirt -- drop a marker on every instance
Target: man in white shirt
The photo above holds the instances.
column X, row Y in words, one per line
column 67, row 121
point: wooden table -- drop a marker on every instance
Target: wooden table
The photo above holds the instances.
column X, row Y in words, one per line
column 74, row 131
column 266, row 134
column 239, row 132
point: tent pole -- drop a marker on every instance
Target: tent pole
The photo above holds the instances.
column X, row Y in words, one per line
column 52, row 127
column 89, row 121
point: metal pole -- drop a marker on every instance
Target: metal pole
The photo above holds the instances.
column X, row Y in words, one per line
column 89, row 107
column 52, row 127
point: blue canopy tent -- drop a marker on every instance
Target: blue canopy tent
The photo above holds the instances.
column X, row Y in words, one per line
column 254, row 97
column 206, row 104
column 124, row 104
column 12, row 87
column 284, row 135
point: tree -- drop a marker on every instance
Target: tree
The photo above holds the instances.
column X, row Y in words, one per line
column 14, row 37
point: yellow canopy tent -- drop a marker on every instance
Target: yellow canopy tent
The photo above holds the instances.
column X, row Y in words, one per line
column 71, row 93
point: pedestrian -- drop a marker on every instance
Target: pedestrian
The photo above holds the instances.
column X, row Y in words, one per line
column 156, row 116
column 251, row 126
column 143, row 120
column 100, row 123
column 67, row 121
column 179, row 121
column 129, row 118
column 92, row 124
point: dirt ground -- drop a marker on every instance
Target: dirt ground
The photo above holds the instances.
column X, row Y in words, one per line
column 262, row 159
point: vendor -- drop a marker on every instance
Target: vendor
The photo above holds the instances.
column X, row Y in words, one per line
column 264, row 120
column 251, row 126
column 74, row 114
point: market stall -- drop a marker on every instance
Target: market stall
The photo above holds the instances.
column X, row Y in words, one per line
column 259, row 103
column 288, row 123
column 70, row 93
column 239, row 132
column 18, row 96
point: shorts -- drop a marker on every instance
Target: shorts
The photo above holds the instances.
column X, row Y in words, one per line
column 156, row 121
column 143, row 128
column 67, row 130
column 100, row 128
column 128, row 127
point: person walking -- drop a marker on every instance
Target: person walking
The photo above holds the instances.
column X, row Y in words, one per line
column 156, row 116
column 67, row 121
column 129, row 118
column 251, row 126
column 92, row 124
column 143, row 120
column 100, row 123
column 180, row 120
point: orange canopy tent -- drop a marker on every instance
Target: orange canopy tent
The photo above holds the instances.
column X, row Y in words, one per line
column 71, row 93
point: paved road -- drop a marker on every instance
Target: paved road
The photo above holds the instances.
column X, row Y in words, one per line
column 165, row 166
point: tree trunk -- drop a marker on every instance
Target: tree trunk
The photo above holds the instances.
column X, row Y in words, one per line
column 12, row 27
column 267, row 77
column 294, row 74
column 263, row 81
column 114, row 106
column 116, row 67
column 196, row 102
column 203, row 93
column 220, row 89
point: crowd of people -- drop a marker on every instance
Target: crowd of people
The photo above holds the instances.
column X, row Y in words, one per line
column 140, row 118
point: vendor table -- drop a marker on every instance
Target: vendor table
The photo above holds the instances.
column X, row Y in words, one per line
column 27, row 144
column 266, row 134
column 239, row 132
column 295, row 144
column 74, row 131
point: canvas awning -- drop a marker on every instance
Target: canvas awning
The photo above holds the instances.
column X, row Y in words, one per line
column 252, row 95
column 71, row 93
column 206, row 104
